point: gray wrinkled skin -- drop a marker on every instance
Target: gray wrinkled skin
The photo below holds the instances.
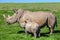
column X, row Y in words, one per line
column 11, row 19
column 14, row 18
column 40, row 17
column 32, row 27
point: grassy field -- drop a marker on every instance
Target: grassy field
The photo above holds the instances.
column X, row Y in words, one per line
column 15, row 32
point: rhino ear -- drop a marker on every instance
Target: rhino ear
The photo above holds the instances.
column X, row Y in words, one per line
column 15, row 10
column 4, row 16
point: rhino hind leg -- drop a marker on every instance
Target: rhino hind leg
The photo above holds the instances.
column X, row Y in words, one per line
column 51, row 24
column 51, row 29
column 38, row 33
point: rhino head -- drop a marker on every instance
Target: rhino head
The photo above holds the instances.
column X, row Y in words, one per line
column 15, row 17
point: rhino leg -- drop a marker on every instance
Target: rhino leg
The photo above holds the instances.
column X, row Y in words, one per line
column 51, row 29
column 26, row 32
column 35, row 34
column 51, row 26
column 38, row 33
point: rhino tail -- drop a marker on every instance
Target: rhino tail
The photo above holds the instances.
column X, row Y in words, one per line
column 56, row 21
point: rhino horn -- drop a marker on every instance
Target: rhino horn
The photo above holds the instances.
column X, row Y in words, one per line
column 4, row 16
column 8, row 16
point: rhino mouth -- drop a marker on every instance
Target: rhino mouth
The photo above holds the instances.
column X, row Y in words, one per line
column 8, row 23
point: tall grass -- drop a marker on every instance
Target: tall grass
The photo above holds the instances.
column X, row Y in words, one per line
column 15, row 32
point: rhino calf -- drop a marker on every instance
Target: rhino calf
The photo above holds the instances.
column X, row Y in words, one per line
column 32, row 27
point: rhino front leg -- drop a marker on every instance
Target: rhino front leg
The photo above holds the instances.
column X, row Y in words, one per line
column 35, row 34
column 26, row 32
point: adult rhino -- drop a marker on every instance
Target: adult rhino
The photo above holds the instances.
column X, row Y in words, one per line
column 41, row 17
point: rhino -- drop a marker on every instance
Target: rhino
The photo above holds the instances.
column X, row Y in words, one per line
column 40, row 17
column 32, row 27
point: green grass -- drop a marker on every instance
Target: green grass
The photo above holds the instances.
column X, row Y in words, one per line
column 10, row 6
column 11, row 32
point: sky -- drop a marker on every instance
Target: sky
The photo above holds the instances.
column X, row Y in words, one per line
column 27, row 1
